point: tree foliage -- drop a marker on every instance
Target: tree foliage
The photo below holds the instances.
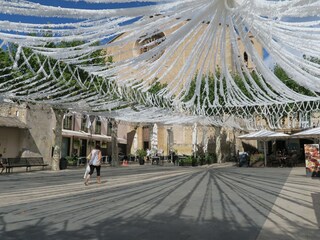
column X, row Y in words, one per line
column 289, row 82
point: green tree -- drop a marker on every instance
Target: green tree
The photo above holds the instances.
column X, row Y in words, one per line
column 290, row 83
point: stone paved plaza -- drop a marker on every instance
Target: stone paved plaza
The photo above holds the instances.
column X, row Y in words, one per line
column 153, row 202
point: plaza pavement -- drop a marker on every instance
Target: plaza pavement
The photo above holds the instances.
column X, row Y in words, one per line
column 161, row 202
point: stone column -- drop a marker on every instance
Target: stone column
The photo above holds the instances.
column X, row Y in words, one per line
column 59, row 113
column 218, row 144
column 114, row 143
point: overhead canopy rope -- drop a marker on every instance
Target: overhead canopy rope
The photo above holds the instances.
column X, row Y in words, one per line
column 208, row 61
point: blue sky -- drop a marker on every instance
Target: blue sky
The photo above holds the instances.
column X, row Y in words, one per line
column 68, row 4
column 85, row 5
column 74, row 5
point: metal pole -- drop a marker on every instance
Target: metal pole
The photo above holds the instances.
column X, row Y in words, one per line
column 265, row 152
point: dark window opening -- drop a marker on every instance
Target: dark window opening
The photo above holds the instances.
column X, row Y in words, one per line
column 67, row 122
column 98, row 127
column 245, row 57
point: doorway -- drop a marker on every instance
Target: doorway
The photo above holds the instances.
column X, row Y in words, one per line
column 83, row 148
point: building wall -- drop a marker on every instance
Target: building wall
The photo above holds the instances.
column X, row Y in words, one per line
column 11, row 141
column 77, row 143
column 77, row 122
column 37, row 139
column 41, row 121
column 104, row 126
column 123, row 129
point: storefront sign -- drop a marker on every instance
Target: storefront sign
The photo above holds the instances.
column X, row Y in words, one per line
column 312, row 160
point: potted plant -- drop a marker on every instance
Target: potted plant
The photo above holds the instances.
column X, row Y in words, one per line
column 141, row 153
column 71, row 161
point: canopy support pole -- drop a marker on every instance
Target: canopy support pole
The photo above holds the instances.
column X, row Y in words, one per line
column 265, row 152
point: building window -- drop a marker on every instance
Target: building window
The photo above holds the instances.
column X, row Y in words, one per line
column 98, row 127
column 145, row 43
column 67, row 123
column 109, row 129
column 245, row 57
column 305, row 120
column 84, row 123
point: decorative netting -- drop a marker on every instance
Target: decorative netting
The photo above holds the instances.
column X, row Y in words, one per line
column 169, row 61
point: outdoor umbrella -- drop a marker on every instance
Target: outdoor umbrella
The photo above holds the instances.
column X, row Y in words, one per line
column 309, row 133
column 194, row 137
column 135, row 144
column 154, row 139
column 265, row 136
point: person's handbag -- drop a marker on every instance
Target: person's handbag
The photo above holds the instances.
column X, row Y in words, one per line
column 86, row 171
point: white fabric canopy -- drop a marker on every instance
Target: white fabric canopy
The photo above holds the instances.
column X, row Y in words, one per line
column 186, row 60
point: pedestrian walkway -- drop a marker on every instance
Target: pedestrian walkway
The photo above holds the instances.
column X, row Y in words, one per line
column 145, row 202
column 296, row 212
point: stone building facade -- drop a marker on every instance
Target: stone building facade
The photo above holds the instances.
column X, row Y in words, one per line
column 179, row 137
column 29, row 130
column 32, row 135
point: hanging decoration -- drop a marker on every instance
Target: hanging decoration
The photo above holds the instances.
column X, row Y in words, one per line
column 179, row 61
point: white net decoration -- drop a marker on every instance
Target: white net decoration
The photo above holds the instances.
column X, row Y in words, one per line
column 172, row 61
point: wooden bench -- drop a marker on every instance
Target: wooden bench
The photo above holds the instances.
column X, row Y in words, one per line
column 36, row 162
column 15, row 162
column 27, row 162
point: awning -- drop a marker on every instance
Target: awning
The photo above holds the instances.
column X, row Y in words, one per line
column 84, row 135
column 264, row 135
column 101, row 137
column 70, row 133
column 309, row 133
column 122, row 140
column 12, row 122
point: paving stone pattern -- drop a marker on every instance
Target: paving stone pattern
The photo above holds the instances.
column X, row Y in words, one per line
column 154, row 202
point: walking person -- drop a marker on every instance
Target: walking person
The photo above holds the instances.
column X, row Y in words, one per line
column 95, row 159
